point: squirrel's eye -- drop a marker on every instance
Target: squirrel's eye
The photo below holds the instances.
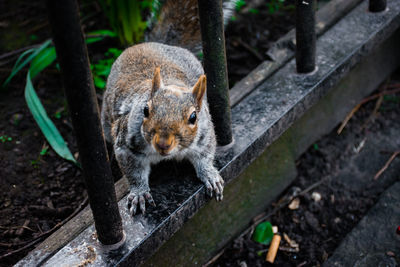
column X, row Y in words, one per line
column 192, row 118
column 146, row 111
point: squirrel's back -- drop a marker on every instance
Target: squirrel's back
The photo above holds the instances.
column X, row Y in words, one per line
column 179, row 24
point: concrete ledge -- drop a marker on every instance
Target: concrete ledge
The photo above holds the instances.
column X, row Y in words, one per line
column 284, row 49
column 260, row 119
column 250, row 193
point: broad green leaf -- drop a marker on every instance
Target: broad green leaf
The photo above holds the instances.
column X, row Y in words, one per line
column 45, row 58
column 47, row 127
column 18, row 66
column 263, row 233
column 105, row 33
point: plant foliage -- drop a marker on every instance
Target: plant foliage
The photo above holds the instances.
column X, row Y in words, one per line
column 39, row 58
column 127, row 18
column 45, row 124
column 263, row 233
column 101, row 69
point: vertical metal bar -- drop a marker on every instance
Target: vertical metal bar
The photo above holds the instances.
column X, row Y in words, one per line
column 377, row 5
column 212, row 32
column 79, row 89
column 305, row 35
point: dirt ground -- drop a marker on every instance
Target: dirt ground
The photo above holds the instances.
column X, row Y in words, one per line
column 38, row 189
column 318, row 226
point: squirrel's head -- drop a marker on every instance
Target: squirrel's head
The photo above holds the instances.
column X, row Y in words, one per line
column 171, row 115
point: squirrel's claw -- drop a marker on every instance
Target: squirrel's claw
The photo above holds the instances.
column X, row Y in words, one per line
column 149, row 198
column 215, row 186
column 136, row 200
column 209, row 188
column 142, row 204
column 219, row 190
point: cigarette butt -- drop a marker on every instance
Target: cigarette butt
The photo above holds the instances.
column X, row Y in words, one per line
column 273, row 248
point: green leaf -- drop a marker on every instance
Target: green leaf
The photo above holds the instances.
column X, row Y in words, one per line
column 45, row 58
column 114, row 52
column 21, row 57
column 93, row 39
column 18, row 66
column 254, row 11
column 99, row 82
column 104, row 33
column 96, row 36
column 263, row 233
column 44, row 151
column 239, row 4
column 47, row 127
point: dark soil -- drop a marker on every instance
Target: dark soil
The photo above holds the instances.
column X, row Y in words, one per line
column 251, row 34
column 318, row 227
column 38, row 189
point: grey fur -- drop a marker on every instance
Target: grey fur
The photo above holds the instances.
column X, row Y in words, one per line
column 122, row 117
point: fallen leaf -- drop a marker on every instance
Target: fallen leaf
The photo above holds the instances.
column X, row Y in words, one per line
column 263, row 233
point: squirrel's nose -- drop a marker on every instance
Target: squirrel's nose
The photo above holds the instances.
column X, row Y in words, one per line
column 163, row 146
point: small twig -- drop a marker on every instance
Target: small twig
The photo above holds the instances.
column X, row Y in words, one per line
column 379, row 173
column 393, row 85
column 374, row 112
column 250, row 49
column 365, row 100
column 37, row 27
column 17, row 227
column 302, row 264
column 289, row 249
column 20, row 249
column 214, row 259
column 44, row 234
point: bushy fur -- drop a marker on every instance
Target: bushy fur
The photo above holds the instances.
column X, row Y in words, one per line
column 169, row 81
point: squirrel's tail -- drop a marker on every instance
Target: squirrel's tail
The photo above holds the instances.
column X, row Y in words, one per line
column 178, row 23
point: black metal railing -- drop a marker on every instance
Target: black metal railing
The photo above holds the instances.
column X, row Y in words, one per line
column 377, row 5
column 74, row 63
column 212, row 33
column 305, row 35
column 81, row 96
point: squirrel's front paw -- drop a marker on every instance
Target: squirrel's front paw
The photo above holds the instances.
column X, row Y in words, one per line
column 137, row 198
column 216, row 185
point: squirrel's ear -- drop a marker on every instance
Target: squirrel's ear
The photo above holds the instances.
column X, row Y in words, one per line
column 199, row 89
column 157, row 82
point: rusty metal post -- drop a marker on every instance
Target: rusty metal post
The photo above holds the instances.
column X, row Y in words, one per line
column 212, row 32
column 305, row 35
column 377, row 5
column 79, row 89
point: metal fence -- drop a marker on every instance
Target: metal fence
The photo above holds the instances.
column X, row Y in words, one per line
column 73, row 59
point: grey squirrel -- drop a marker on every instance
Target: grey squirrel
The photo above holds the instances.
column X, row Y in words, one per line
column 155, row 106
